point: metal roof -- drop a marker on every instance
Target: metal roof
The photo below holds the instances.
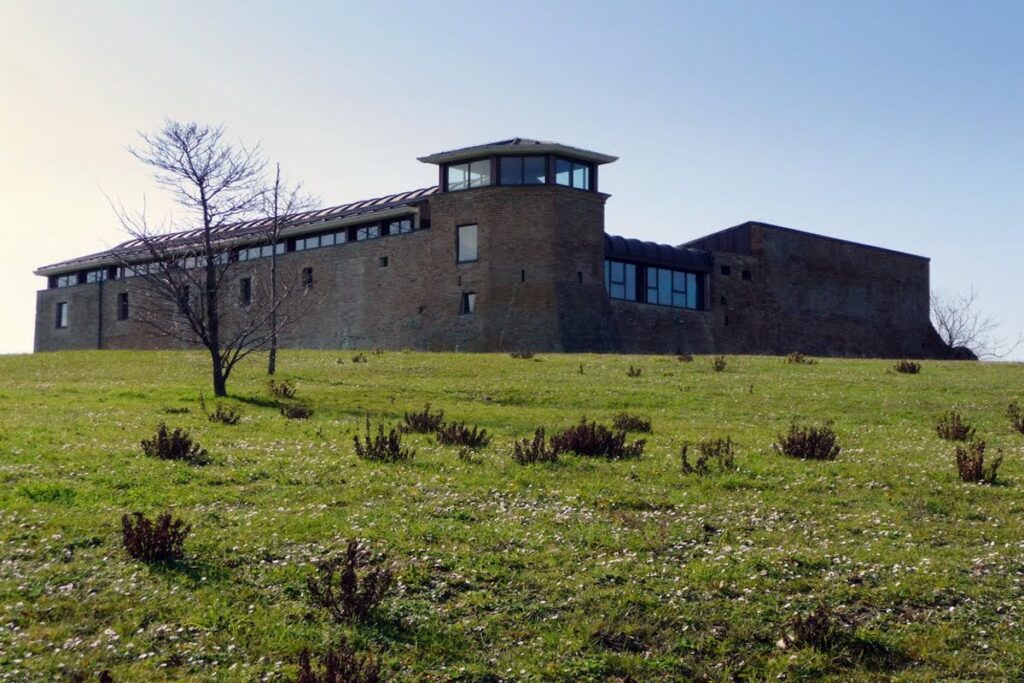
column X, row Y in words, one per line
column 254, row 228
column 517, row 146
column 652, row 253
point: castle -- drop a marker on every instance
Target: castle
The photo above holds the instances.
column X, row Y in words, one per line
column 508, row 252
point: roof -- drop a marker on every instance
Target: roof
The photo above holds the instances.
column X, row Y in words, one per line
column 655, row 254
column 517, row 146
column 737, row 239
column 238, row 232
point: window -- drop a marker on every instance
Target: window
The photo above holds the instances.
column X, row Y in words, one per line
column 467, row 243
column 746, row 275
column 245, row 291
column 367, row 232
column 726, row 270
column 523, row 170
column 183, row 299
column 620, row 280
column 96, row 275
column 62, row 314
column 307, row 279
column 400, row 226
column 382, row 262
column 468, row 303
column 122, row 306
column 260, row 251
column 572, row 174
column 469, row 174
column 671, row 288
column 67, row 280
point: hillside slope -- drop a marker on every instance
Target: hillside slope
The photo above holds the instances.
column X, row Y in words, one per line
column 586, row 569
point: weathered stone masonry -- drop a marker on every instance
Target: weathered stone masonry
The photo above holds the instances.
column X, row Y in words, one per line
column 545, row 276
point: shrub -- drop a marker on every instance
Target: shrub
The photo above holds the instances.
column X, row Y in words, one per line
column 808, row 442
column 631, row 423
column 970, row 463
column 590, row 438
column 383, row 447
column 102, row 676
column 907, row 367
column 718, row 363
column 951, row 426
column 797, row 358
column 160, row 541
column 282, row 389
column 221, row 413
column 183, row 410
column 341, row 665
column 423, row 422
column 718, row 450
column 819, row 629
column 351, row 586
column 297, row 412
column 458, row 434
column 176, row 445
column 1013, row 411
column 521, row 354
column 634, row 372
column 527, row 451
column 359, row 358
column 685, row 358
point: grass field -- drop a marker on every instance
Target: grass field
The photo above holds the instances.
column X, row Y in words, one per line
column 585, row 569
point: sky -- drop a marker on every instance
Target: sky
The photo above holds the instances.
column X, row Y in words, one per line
column 899, row 124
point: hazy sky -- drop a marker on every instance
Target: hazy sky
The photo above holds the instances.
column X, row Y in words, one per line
column 893, row 123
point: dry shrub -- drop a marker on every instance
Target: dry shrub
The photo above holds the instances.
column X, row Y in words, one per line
column 458, row 434
column 718, row 363
column 1013, row 412
column 382, row 447
column 631, row 423
column 339, row 665
column 527, row 451
column 970, row 463
column 951, row 426
column 221, row 413
column 685, row 357
column 297, row 412
column 160, row 541
column 591, row 438
column 907, row 367
column 359, row 358
column 634, row 372
column 820, row 629
column 282, row 389
column 351, row 586
column 103, row 676
column 719, row 451
column 176, row 445
column 521, row 354
column 808, row 442
column 423, row 422
column 182, row 410
column 797, row 358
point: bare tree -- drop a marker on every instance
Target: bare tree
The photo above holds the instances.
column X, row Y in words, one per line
column 219, row 185
column 961, row 324
column 280, row 201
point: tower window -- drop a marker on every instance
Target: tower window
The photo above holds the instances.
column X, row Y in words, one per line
column 468, row 175
column 468, row 303
column 307, row 279
column 245, row 291
column 572, row 174
column 62, row 314
column 523, row 170
column 466, row 248
column 122, row 306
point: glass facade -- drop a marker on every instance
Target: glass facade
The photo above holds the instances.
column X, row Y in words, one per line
column 468, row 175
column 620, row 280
column 572, row 174
column 523, row 170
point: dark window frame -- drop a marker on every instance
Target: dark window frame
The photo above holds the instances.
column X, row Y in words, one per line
column 468, row 163
column 573, row 165
column 467, row 305
column 522, row 170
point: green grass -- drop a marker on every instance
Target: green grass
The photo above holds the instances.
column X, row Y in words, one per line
column 587, row 569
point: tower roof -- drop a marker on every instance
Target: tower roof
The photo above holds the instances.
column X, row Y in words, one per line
column 517, row 146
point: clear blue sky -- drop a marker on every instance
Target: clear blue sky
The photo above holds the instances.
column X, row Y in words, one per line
column 897, row 124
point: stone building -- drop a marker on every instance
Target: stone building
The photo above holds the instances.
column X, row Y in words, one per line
column 509, row 252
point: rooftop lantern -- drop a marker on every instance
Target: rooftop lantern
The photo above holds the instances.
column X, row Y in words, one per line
column 518, row 162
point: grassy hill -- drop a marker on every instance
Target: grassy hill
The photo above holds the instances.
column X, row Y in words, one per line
column 586, row 569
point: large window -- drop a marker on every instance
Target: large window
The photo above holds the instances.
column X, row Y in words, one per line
column 469, row 174
column 671, row 288
column 67, row 280
column 97, row 275
column 523, row 170
column 572, row 174
column 62, row 314
column 660, row 286
column 400, row 226
column 467, row 243
column 367, row 232
column 620, row 280
column 260, row 251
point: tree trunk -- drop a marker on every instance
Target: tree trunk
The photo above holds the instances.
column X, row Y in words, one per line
column 220, row 382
